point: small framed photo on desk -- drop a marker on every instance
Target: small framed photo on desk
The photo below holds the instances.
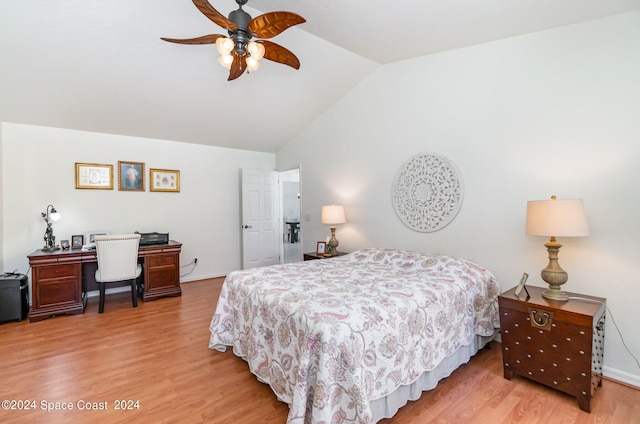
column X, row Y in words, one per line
column 77, row 241
column 321, row 248
column 88, row 238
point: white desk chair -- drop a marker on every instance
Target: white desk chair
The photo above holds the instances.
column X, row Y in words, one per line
column 118, row 261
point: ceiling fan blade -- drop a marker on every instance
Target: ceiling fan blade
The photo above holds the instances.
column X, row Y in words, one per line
column 217, row 17
column 277, row 53
column 238, row 66
column 205, row 39
column 273, row 23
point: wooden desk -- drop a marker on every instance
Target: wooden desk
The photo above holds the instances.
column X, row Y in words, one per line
column 59, row 283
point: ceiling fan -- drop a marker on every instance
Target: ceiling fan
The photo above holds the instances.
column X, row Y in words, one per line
column 237, row 51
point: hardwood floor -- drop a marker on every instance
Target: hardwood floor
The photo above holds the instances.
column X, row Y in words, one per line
column 157, row 355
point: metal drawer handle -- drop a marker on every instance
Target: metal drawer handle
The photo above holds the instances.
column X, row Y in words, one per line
column 541, row 320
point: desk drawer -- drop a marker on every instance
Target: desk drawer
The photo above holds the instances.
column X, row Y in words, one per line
column 164, row 260
column 58, row 292
column 57, row 271
column 162, row 277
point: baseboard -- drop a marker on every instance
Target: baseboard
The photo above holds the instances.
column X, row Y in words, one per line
column 96, row 293
column 201, row 277
column 621, row 377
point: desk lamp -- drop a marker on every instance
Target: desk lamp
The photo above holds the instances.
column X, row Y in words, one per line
column 50, row 216
column 556, row 218
column 333, row 215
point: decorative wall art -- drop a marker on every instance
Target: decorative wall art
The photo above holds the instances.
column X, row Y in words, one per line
column 131, row 176
column 164, row 180
column 427, row 193
column 94, row 176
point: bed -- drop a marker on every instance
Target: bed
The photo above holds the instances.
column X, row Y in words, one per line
column 351, row 339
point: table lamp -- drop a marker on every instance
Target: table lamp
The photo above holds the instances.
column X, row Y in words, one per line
column 556, row 218
column 333, row 215
column 50, row 216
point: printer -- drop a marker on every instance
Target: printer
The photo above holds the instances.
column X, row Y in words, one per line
column 153, row 238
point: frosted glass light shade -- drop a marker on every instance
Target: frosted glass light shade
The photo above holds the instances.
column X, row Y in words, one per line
column 556, row 218
column 224, row 45
column 252, row 64
column 333, row 214
column 256, row 50
column 226, row 61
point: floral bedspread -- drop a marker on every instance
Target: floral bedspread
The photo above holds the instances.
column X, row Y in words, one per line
column 331, row 335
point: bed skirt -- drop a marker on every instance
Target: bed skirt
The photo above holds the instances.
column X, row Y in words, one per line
column 387, row 406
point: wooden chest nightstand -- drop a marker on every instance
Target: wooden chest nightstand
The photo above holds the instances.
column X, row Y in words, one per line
column 558, row 344
column 313, row 255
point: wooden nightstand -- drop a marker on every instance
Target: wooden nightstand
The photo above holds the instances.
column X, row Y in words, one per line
column 558, row 344
column 313, row 255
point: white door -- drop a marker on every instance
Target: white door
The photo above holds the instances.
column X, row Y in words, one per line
column 260, row 218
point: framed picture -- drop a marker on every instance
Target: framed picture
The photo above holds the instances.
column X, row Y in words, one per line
column 94, row 176
column 321, row 248
column 130, row 176
column 521, row 285
column 64, row 244
column 77, row 241
column 164, row 180
column 88, row 238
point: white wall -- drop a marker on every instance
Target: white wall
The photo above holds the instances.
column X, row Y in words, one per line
column 550, row 113
column 38, row 170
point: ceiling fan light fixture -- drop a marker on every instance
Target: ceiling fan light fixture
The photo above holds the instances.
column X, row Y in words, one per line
column 237, row 52
column 252, row 64
column 225, row 60
column 225, row 45
column 256, row 50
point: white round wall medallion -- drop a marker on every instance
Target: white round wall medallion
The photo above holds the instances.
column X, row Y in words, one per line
column 427, row 193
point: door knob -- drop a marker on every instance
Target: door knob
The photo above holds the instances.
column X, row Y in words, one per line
column 246, row 226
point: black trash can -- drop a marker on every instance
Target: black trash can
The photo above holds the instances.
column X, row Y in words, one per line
column 14, row 297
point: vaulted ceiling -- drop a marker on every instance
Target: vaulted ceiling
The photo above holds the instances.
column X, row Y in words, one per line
column 101, row 66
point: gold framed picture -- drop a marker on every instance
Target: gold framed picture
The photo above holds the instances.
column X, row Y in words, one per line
column 94, row 176
column 321, row 248
column 164, row 180
column 131, row 176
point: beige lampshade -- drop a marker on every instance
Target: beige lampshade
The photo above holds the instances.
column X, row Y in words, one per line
column 557, row 218
column 333, row 214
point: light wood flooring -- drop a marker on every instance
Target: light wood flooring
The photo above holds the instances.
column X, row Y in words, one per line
column 157, row 355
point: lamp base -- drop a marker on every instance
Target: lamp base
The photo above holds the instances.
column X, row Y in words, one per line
column 333, row 243
column 554, row 293
column 50, row 249
column 553, row 274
